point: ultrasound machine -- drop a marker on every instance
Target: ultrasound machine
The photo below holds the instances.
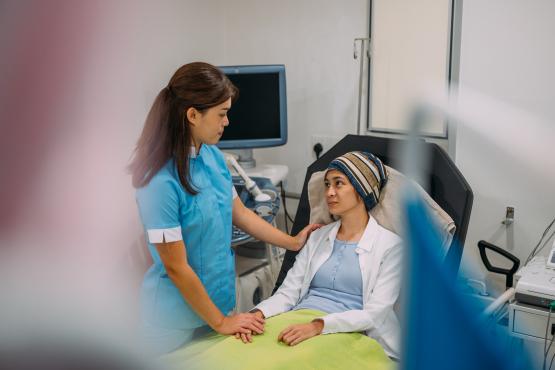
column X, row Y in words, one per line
column 258, row 119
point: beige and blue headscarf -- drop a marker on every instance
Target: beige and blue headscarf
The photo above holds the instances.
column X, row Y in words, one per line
column 367, row 174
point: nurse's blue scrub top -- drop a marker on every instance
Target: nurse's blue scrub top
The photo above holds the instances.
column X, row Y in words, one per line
column 203, row 222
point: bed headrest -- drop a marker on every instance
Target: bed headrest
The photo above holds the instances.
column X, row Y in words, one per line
column 388, row 212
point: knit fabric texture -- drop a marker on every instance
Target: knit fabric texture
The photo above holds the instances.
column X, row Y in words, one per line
column 367, row 174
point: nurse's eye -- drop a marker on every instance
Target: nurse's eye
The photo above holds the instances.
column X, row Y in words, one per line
column 326, row 184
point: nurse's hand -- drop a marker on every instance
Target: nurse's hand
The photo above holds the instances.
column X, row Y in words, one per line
column 303, row 235
column 245, row 323
column 247, row 338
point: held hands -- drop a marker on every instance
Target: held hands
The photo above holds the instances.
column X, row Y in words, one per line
column 243, row 323
column 302, row 236
column 292, row 335
column 247, row 337
column 295, row 334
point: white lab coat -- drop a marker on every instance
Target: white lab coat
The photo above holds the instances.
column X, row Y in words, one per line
column 379, row 252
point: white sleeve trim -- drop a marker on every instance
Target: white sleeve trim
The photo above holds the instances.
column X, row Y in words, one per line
column 235, row 195
column 164, row 235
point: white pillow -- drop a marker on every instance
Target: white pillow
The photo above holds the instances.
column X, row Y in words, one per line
column 388, row 212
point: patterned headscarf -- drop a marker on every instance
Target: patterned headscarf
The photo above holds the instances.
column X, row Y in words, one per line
column 367, row 174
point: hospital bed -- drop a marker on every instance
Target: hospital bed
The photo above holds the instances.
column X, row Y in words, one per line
column 442, row 180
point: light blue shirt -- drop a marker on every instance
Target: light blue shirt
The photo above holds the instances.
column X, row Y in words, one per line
column 203, row 222
column 337, row 285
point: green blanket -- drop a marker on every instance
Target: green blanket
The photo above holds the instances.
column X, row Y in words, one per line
column 331, row 351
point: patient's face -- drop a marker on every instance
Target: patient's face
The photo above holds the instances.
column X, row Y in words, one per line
column 341, row 196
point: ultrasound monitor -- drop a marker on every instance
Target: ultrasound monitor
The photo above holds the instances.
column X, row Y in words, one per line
column 258, row 118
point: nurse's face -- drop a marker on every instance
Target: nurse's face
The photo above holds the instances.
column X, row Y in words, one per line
column 208, row 127
column 341, row 196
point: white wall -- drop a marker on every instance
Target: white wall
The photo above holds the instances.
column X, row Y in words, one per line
column 314, row 39
column 508, row 52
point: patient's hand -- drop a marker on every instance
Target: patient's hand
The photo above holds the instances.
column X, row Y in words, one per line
column 246, row 338
column 258, row 314
column 303, row 235
column 295, row 334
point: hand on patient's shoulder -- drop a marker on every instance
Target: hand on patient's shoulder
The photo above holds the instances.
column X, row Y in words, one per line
column 304, row 234
column 295, row 334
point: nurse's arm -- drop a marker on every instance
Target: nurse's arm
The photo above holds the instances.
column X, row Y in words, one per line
column 174, row 258
column 254, row 225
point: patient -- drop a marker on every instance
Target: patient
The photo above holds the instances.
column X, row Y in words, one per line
column 349, row 269
column 345, row 280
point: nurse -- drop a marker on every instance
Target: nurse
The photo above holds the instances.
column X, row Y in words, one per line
column 187, row 204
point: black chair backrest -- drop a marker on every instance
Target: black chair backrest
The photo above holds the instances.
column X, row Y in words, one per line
column 445, row 184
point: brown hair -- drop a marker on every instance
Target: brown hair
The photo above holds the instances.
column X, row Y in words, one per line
column 166, row 133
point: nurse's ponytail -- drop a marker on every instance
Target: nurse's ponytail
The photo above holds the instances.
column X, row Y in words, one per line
column 167, row 132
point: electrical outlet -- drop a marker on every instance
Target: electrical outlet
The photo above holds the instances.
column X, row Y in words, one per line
column 327, row 143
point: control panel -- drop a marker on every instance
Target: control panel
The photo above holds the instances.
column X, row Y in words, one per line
column 265, row 209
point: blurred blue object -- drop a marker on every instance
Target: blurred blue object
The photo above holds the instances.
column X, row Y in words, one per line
column 443, row 329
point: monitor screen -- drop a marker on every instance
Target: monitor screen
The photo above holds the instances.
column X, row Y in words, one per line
column 258, row 118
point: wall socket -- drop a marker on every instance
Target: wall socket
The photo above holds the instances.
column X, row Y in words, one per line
column 327, row 143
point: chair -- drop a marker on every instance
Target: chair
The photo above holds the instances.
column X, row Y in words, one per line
column 446, row 185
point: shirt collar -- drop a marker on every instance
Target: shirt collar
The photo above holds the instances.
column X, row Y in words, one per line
column 367, row 239
column 193, row 152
